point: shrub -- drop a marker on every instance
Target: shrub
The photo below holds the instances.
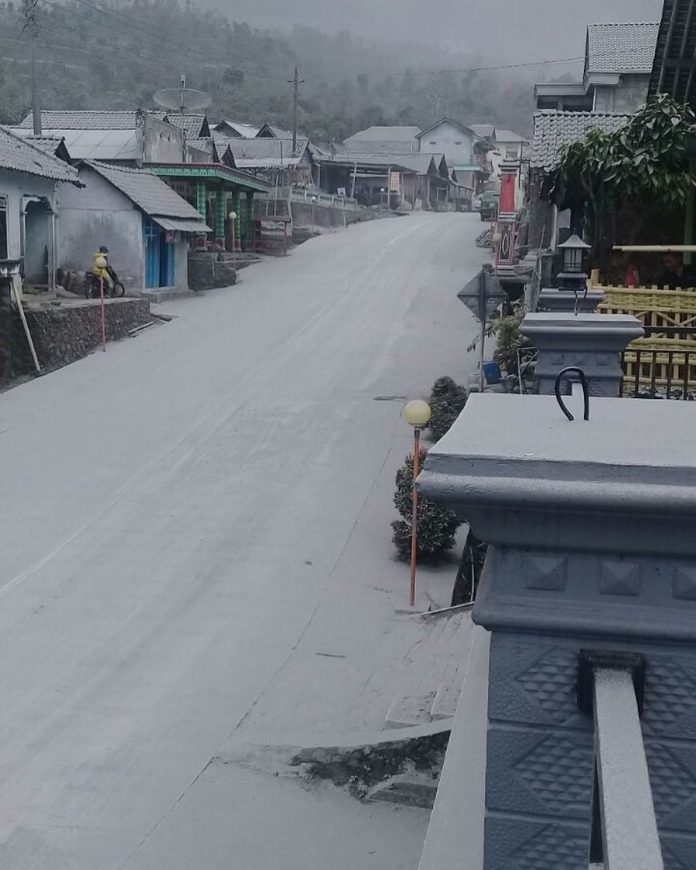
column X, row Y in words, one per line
column 447, row 401
column 436, row 525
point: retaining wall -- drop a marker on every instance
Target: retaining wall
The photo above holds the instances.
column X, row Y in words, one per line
column 65, row 333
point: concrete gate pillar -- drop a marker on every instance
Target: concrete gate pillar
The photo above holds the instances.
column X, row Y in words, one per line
column 590, row 527
column 593, row 342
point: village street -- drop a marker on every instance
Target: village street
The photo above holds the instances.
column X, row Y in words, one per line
column 182, row 511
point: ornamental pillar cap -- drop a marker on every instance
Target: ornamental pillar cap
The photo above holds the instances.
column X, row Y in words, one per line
column 526, row 477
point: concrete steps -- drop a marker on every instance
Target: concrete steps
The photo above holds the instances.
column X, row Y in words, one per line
column 436, row 667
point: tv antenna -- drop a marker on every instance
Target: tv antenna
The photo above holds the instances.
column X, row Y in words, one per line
column 182, row 99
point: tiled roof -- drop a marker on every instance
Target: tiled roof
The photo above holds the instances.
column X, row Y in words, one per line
column 90, row 119
column 553, row 130
column 147, row 191
column 245, row 131
column 22, row 156
column 193, row 124
column 621, row 48
column 271, row 131
column 47, row 144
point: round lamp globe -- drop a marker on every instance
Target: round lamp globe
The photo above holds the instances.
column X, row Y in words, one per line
column 417, row 413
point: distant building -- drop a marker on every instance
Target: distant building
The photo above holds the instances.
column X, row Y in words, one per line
column 616, row 75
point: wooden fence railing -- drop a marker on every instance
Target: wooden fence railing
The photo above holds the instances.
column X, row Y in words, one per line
column 666, row 355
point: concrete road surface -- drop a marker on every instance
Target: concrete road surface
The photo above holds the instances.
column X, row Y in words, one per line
column 175, row 515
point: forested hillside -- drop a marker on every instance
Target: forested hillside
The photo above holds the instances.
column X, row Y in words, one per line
column 115, row 55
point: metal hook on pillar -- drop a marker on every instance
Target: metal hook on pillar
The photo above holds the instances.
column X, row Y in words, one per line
column 585, row 391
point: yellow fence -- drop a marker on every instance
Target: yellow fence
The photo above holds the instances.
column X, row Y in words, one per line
column 666, row 356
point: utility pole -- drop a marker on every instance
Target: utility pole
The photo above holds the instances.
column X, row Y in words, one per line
column 295, row 81
column 31, row 25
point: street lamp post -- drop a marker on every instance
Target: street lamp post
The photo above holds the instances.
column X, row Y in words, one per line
column 233, row 221
column 417, row 414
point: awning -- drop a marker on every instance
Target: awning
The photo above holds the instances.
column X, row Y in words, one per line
column 184, row 225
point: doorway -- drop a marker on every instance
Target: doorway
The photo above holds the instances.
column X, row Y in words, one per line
column 159, row 255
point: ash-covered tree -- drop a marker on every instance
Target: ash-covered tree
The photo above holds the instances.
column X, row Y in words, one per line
column 436, row 525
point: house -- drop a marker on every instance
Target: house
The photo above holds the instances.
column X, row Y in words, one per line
column 144, row 223
column 128, row 137
column 616, row 74
column 553, row 130
column 464, row 150
column 31, row 179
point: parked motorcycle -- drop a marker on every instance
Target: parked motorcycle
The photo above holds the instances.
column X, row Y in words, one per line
column 93, row 289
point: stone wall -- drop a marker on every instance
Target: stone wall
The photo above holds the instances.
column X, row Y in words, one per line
column 209, row 269
column 65, row 333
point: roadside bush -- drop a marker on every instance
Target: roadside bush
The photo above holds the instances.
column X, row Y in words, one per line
column 436, row 525
column 447, row 401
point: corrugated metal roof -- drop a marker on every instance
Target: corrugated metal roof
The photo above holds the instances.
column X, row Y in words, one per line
column 553, row 130
column 88, row 119
column 18, row 154
column 181, row 224
column 485, row 131
column 111, row 144
column 250, row 151
column 621, row 48
column 147, row 191
column 389, row 134
column 509, row 137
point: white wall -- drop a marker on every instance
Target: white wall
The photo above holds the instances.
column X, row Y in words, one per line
column 457, row 145
column 15, row 186
column 95, row 215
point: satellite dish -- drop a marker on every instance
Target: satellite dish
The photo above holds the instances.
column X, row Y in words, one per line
column 182, row 99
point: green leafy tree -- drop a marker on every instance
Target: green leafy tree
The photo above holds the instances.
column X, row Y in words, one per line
column 436, row 525
column 650, row 159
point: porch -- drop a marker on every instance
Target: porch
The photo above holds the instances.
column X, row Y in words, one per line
column 217, row 192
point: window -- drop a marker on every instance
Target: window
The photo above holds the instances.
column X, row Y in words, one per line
column 3, row 227
column 432, row 142
column 458, row 143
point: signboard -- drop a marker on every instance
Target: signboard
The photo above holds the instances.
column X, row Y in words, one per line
column 341, row 191
column 394, row 182
column 483, row 294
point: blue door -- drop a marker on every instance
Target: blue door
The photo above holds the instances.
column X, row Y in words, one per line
column 159, row 255
column 153, row 243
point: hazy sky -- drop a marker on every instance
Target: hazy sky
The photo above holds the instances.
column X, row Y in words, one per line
column 516, row 29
